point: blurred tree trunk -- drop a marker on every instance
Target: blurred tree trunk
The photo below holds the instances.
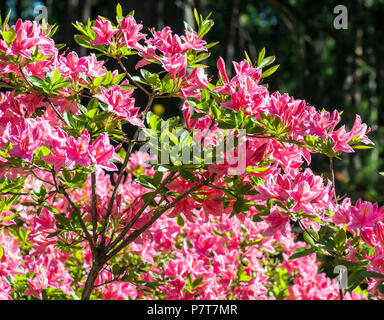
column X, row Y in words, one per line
column 71, row 9
column 200, row 6
column 3, row 9
column 19, row 8
column 86, row 13
column 240, row 39
column 230, row 50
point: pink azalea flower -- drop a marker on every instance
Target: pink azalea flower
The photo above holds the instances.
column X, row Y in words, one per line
column 175, row 64
column 148, row 52
column 58, row 156
column 94, row 68
column 193, row 42
column 104, row 31
column 302, row 194
column 78, row 150
column 244, row 69
column 365, row 214
column 120, row 103
column 359, row 131
column 240, row 99
column 103, row 152
column 318, row 124
column 25, row 40
column 369, row 236
column 222, row 73
column 25, row 138
column 5, row 289
column 342, row 213
column 184, row 206
column 75, row 64
column 195, row 81
column 131, row 32
column 277, row 222
column 341, row 139
column 379, row 230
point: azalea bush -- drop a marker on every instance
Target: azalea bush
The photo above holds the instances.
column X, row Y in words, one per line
column 221, row 204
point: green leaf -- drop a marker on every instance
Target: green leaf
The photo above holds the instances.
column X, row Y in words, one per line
column 116, row 269
column 197, row 19
column 313, row 233
column 79, row 178
column 119, row 11
column 261, row 56
column 266, row 62
column 180, row 221
column 54, row 234
column 187, row 175
column 108, row 78
column 248, row 58
column 212, row 44
column 301, row 253
column 29, row 204
column 340, row 238
column 1, row 252
column 98, row 81
column 117, row 79
column 7, row 19
column 362, row 147
column 238, row 205
column 205, row 26
column 372, row 274
column 82, row 40
column 9, row 36
column 270, row 71
column 308, row 239
column 9, row 218
column 147, row 181
column 198, row 281
column 198, row 115
column 157, row 177
column 37, row 81
column 153, row 120
column 62, row 219
column 56, row 75
column 66, row 175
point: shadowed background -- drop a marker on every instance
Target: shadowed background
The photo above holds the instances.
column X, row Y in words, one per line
column 329, row 68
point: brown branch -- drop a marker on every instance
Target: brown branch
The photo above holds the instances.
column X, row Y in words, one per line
column 94, row 206
column 130, row 77
column 54, row 109
column 332, row 177
column 135, row 234
column 77, row 212
column 141, row 210
column 119, row 178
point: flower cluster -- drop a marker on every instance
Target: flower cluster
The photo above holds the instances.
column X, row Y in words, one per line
column 73, row 220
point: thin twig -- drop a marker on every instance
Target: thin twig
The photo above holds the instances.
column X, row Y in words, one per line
column 119, row 178
column 117, row 278
column 332, row 177
column 82, row 224
column 94, row 206
column 135, row 234
column 54, row 109
column 130, row 77
column 14, row 194
column 141, row 210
